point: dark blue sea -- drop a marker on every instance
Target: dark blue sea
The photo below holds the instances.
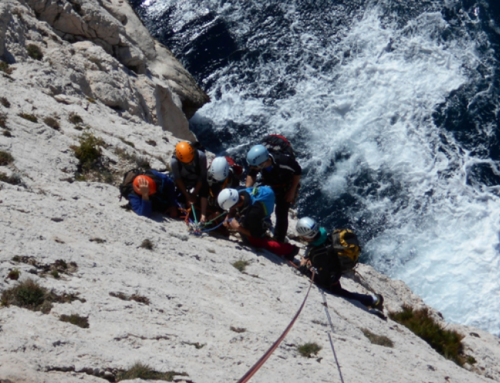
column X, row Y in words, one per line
column 393, row 108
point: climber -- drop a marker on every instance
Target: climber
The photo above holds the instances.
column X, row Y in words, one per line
column 189, row 169
column 249, row 213
column 223, row 173
column 332, row 255
column 282, row 173
column 149, row 191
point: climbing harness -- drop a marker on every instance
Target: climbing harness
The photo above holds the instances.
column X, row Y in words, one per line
column 199, row 228
column 266, row 356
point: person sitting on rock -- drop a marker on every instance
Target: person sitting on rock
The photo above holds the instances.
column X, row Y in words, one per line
column 249, row 213
column 331, row 255
column 148, row 192
column 282, row 173
column 189, row 169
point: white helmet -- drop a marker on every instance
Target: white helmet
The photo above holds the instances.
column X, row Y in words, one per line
column 228, row 198
column 307, row 227
column 218, row 170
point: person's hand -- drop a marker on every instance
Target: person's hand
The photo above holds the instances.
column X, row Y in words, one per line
column 191, row 199
column 290, row 196
column 228, row 223
column 203, row 219
column 234, row 224
column 305, row 262
column 143, row 186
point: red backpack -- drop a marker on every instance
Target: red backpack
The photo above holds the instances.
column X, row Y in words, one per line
column 237, row 169
column 278, row 144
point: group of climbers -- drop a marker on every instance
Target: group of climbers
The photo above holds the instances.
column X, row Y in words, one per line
column 272, row 184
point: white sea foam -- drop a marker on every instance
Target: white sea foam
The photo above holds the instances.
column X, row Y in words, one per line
column 440, row 234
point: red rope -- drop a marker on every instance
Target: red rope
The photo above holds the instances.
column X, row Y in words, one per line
column 266, row 356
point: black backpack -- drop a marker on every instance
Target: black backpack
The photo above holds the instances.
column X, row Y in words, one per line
column 278, row 144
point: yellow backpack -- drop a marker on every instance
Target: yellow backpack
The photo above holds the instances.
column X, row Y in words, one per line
column 346, row 244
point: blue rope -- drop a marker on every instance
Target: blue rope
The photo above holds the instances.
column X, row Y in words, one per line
column 216, row 227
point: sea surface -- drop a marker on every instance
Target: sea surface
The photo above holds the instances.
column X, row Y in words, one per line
column 393, row 109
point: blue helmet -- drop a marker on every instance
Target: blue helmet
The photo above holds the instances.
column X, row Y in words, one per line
column 257, row 155
column 307, row 227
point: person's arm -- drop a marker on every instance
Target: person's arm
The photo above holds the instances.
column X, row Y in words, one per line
column 235, row 225
column 140, row 206
column 169, row 184
column 203, row 203
column 197, row 188
column 251, row 177
column 202, row 163
column 253, row 221
column 336, row 267
column 250, row 181
column 180, row 185
column 290, row 194
column 169, row 192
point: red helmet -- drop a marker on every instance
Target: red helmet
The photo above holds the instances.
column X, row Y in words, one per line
column 149, row 180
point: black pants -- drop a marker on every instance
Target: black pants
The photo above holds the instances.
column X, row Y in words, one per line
column 337, row 289
column 282, row 208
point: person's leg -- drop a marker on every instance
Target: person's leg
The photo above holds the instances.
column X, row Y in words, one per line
column 281, row 228
column 337, row 289
column 285, row 250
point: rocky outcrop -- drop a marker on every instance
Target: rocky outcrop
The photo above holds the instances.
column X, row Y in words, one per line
column 101, row 51
column 160, row 60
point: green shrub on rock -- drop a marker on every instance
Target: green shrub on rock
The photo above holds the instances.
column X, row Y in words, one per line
column 52, row 122
column 34, row 51
column 4, row 67
column 89, row 150
column 308, row 350
column 5, row 158
column 29, row 117
column 446, row 342
column 75, row 319
column 143, row 371
column 14, row 179
column 28, row 294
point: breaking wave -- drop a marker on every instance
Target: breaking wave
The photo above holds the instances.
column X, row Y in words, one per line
column 392, row 108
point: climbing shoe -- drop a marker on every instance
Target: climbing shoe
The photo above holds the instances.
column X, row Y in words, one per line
column 378, row 302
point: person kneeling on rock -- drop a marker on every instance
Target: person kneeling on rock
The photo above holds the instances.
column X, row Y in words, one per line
column 250, row 210
column 332, row 255
column 189, row 171
column 149, row 191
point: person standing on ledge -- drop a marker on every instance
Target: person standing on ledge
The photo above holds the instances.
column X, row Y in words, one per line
column 189, row 170
column 282, row 173
column 331, row 255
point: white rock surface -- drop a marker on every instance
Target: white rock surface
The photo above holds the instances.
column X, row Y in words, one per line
column 88, row 52
column 195, row 293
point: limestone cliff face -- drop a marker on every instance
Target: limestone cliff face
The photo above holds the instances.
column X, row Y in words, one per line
column 101, row 50
column 192, row 312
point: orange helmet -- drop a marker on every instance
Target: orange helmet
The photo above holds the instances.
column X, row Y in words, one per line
column 184, row 152
column 149, row 180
